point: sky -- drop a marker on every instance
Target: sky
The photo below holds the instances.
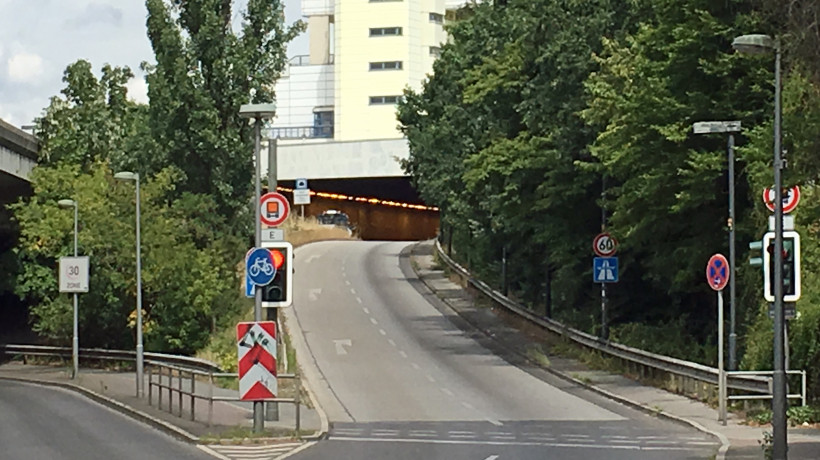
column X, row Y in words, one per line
column 39, row 38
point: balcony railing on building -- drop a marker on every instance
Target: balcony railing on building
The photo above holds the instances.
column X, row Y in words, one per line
column 302, row 132
column 304, row 59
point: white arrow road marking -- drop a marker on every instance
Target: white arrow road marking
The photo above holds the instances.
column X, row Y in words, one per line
column 339, row 346
column 314, row 294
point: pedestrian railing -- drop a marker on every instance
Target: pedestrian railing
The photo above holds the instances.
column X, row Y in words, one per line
column 179, row 383
column 681, row 376
column 801, row 396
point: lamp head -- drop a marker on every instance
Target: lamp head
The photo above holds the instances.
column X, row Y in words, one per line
column 66, row 203
column 257, row 110
column 754, row 44
column 126, row 175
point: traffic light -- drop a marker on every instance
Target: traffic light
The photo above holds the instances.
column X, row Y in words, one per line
column 791, row 266
column 279, row 292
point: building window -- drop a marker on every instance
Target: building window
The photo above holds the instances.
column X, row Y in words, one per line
column 380, row 100
column 437, row 18
column 381, row 31
column 386, row 65
column 435, row 51
column 323, row 124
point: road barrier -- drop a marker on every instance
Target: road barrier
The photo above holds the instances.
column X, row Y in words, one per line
column 681, row 376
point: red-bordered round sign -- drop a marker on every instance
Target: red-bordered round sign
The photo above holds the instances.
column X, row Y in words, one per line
column 791, row 196
column 274, row 208
column 604, row 245
column 717, row 272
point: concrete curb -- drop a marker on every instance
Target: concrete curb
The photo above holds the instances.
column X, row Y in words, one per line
column 725, row 443
column 125, row 409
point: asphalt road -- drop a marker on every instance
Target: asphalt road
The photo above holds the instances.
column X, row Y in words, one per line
column 39, row 422
column 399, row 380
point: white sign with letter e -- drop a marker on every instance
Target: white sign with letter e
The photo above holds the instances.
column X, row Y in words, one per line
column 74, row 274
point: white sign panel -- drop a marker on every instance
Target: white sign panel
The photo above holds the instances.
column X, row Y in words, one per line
column 301, row 196
column 273, row 234
column 74, row 274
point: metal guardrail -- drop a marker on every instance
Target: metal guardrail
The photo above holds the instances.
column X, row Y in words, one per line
column 646, row 362
column 186, row 362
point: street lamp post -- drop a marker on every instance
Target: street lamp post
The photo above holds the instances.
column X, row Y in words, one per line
column 258, row 112
column 75, row 341
column 705, row 127
column 127, row 175
column 759, row 44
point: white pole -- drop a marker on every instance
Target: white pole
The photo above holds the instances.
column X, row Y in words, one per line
column 721, row 374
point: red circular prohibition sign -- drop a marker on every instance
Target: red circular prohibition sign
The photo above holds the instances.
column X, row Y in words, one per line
column 717, row 272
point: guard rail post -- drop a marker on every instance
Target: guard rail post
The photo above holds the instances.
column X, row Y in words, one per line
column 170, row 390
column 159, row 386
column 298, row 405
column 210, row 397
column 150, row 383
column 180, row 373
column 193, row 397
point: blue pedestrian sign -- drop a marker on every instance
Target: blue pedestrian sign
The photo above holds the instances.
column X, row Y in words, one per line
column 605, row 270
column 259, row 267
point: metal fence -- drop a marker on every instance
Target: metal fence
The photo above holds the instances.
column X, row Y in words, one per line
column 682, row 376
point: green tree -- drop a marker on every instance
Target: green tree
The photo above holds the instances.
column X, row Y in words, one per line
column 204, row 71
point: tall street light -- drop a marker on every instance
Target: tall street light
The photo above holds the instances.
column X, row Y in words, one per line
column 705, row 127
column 258, row 112
column 762, row 44
column 127, row 175
column 75, row 341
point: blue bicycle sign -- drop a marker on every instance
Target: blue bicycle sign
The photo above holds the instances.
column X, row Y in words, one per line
column 259, row 266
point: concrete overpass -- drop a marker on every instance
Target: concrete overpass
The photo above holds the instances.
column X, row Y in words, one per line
column 18, row 156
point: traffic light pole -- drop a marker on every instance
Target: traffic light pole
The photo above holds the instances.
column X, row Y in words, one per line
column 272, row 408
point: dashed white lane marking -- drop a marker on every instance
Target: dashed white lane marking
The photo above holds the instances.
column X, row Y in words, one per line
column 384, row 432
column 430, row 378
column 352, row 291
column 467, row 405
column 373, row 320
column 447, row 392
column 491, row 457
column 625, row 441
column 494, row 422
column 575, row 435
column 391, row 342
column 347, row 282
column 382, row 332
column 613, row 436
column 403, row 354
column 423, row 433
column 415, row 366
column 359, row 299
column 366, row 310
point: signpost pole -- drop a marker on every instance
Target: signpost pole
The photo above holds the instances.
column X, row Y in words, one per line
column 721, row 372
column 75, row 342
column 272, row 409
column 258, row 406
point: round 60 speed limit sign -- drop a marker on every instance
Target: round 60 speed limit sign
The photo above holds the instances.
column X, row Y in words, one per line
column 604, row 245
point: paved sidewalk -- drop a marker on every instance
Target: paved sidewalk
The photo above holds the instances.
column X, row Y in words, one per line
column 739, row 441
column 226, row 423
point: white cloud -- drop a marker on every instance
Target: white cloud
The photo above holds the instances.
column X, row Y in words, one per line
column 137, row 90
column 23, row 67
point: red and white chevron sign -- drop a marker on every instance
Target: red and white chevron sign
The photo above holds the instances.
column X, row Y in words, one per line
column 257, row 360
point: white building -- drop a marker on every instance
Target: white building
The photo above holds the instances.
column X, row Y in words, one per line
column 336, row 107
